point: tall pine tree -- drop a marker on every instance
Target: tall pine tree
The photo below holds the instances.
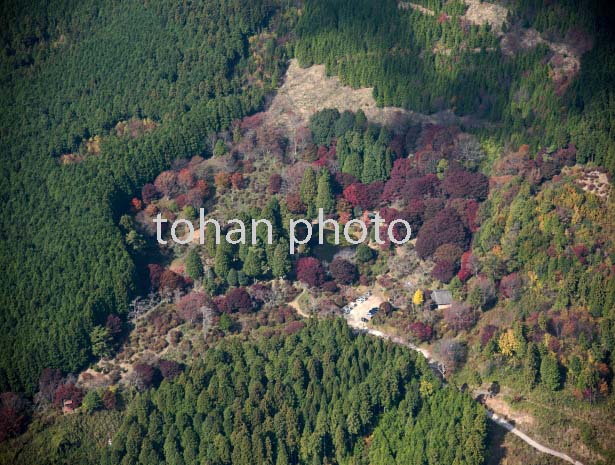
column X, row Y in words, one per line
column 308, row 190
column 281, row 264
column 324, row 196
column 194, row 265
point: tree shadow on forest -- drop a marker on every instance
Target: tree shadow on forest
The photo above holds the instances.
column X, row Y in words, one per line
column 495, row 451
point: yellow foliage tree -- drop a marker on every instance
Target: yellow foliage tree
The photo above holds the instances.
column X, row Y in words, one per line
column 418, row 298
column 425, row 388
column 508, row 343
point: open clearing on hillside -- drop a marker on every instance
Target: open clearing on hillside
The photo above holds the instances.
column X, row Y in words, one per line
column 479, row 12
column 308, row 90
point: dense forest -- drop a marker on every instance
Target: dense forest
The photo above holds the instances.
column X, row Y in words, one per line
column 309, row 397
column 433, row 62
column 66, row 266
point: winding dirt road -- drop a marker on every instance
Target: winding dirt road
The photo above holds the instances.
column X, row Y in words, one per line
column 492, row 416
column 536, row 445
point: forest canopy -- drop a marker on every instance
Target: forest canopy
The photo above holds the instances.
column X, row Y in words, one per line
column 305, row 398
column 181, row 71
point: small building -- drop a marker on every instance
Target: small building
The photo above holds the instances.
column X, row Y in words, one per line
column 68, row 406
column 442, row 298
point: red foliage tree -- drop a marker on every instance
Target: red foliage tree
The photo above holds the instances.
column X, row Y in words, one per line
column 109, row 399
column 389, row 214
column 294, row 203
column 293, row 327
column 170, row 369
column 260, row 293
column 68, row 391
column 237, row 300
column 222, row 180
column 114, row 325
column 166, row 183
column 580, row 251
column 421, row 331
column 445, row 228
column 413, row 213
column 402, row 168
column 344, row 217
column 252, row 122
column 155, row 273
column 460, row 317
column 323, row 152
column 237, row 180
column 469, row 266
column 310, row 271
column 511, row 285
column 275, row 183
column 472, row 214
column 145, row 375
column 443, row 271
column 13, row 415
column 149, row 193
column 189, row 306
column 364, row 196
column 151, row 210
column 418, row 188
column 193, row 197
column 448, row 252
column 487, row 334
column 356, row 194
column 465, row 184
column 431, row 207
column 171, row 281
column 180, row 201
column 203, row 187
column 303, row 138
column 185, row 179
column 136, row 204
column 343, row 271
column 374, row 192
column 553, row 344
column 397, row 145
column 566, row 156
column 344, row 179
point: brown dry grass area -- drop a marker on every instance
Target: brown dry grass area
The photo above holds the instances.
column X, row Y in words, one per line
column 70, row 158
column 90, row 379
column 308, row 90
column 565, row 61
column 522, row 420
column 482, row 12
column 590, row 180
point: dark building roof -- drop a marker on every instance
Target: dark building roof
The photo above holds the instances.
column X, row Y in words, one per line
column 442, row 297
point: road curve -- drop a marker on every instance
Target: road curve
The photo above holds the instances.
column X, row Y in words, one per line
column 505, row 424
column 492, row 416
